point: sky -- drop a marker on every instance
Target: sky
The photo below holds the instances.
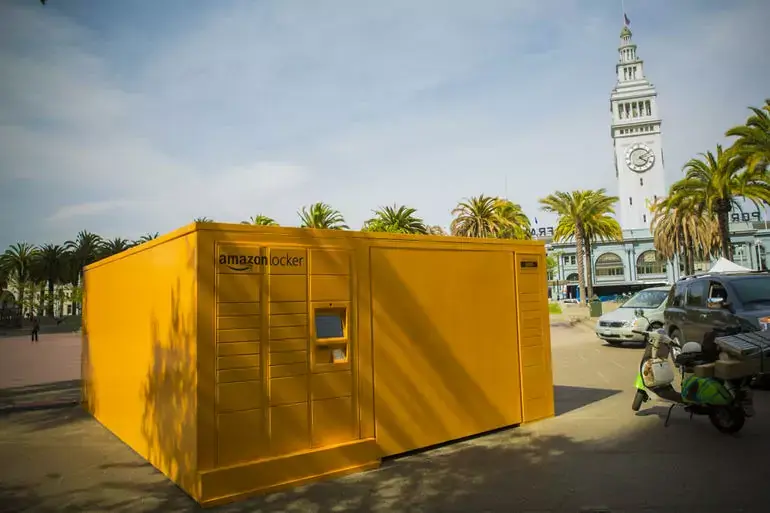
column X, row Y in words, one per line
column 135, row 116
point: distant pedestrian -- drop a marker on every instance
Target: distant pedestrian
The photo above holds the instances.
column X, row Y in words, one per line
column 35, row 328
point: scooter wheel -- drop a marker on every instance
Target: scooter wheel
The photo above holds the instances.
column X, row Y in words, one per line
column 639, row 398
column 727, row 419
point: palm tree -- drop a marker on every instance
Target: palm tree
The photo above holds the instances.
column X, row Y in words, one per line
column 516, row 223
column 489, row 216
column 476, row 217
column 715, row 182
column 115, row 246
column 436, row 230
column 37, row 278
column 321, row 215
column 752, row 146
column 260, row 220
column 679, row 230
column 85, row 249
column 52, row 263
column 396, row 219
column 17, row 263
column 583, row 215
column 600, row 225
column 203, row 220
column 147, row 237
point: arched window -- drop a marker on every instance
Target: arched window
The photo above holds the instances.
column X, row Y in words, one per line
column 609, row 266
column 572, row 277
column 650, row 262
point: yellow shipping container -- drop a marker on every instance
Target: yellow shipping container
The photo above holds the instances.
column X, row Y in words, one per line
column 241, row 359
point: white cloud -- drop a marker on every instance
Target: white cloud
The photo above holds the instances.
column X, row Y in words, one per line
column 253, row 107
column 86, row 209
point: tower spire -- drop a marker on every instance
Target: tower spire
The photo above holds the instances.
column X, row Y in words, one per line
column 637, row 137
column 625, row 32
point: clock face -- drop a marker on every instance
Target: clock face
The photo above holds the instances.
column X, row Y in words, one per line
column 639, row 158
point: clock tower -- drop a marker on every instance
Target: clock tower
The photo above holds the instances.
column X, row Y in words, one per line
column 636, row 138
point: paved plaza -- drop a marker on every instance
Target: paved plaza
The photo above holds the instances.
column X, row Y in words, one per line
column 596, row 455
column 54, row 358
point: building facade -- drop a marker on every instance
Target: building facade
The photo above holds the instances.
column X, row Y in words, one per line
column 633, row 264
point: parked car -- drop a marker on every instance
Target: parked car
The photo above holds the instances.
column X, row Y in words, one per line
column 728, row 302
column 616, row 327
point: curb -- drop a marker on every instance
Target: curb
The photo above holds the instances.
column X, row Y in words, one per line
column 50, row 405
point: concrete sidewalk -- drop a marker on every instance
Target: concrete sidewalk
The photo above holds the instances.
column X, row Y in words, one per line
column 54, row 358
column 595, row 455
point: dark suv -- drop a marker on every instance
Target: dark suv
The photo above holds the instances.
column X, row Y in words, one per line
column 722, row 303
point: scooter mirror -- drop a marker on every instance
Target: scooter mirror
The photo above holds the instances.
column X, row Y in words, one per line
column 639, row 312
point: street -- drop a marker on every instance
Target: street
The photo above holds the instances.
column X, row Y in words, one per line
column 596, row 453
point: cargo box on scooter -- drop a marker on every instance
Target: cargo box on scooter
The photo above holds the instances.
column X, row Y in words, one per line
column 705, row 370
column 747, row 354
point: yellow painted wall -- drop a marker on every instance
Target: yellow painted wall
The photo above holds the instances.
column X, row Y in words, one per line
column 446, row 358
column 275, row 390
column 534, row 337
column 139, row 351
column 440, row 338
column 268, row 388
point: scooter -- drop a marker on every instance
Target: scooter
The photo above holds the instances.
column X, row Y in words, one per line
column 727, row 403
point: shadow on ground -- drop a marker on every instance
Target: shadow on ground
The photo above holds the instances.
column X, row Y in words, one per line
column 459, row 477
column 47, row 419
column 43, row 388
column 571, row 398
column 82, row 467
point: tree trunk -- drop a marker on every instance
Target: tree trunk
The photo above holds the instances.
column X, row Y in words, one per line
column 49, row 313
column 60, row 295
column 579, row 249
column 22, row 296
column 41, row 304
column 689, row 265
column 589, row 271
column 78, row 281
column 723, row 220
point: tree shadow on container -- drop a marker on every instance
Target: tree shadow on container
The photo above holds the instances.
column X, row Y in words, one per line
column 569, row 398
column 169, row 423
column 87, row 376
column 406, row 322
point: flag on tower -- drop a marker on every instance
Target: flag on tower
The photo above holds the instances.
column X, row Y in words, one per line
column 626, row 20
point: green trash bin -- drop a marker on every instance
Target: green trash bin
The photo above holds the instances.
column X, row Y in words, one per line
column 595, row 307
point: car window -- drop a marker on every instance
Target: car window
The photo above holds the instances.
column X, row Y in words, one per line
column 696, row 293
column 677, row 296
column 752, row 291
column 646, row 299
column 717, row 290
